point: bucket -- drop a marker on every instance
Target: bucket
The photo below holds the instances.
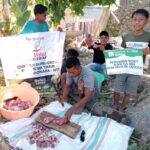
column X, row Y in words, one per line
column 25, row 92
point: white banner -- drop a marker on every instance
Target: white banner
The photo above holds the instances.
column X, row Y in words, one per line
column 32, row 55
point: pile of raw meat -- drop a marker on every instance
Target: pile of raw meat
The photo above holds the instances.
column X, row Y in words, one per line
column 42, row 137
column 16, row 104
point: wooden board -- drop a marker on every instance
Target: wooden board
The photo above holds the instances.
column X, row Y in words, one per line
column 70, row 129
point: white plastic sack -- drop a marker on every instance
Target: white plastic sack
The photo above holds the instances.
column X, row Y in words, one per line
column 101, row 133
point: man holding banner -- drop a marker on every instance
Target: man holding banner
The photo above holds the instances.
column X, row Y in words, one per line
column 38, row 24
column 33, row 26
column 138, row 39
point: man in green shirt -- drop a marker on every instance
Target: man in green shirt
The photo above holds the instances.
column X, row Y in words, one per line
column 137, row 39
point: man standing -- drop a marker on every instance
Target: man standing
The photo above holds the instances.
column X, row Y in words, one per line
column 138, row 38
column 38, row 24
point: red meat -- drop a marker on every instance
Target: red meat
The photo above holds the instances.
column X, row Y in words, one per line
column 42, row 136
column 48, row 120
column 17, row 104
column 60, row 121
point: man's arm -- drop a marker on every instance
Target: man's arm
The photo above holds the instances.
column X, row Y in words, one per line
column 66, row 92
column 146, row 51
column 64, row 97
column 87, row 97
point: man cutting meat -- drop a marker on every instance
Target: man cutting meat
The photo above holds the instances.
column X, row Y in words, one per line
column 80, row 83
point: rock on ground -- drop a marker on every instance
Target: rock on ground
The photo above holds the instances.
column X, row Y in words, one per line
column 139, row 115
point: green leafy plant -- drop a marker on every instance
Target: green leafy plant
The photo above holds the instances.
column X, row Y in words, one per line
column 19, row 15
column 19, row 8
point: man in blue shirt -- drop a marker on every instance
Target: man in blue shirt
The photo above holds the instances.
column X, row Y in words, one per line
column 38, row 24
column 33, row 26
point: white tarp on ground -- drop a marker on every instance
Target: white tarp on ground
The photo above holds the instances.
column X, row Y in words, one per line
column 101, row 133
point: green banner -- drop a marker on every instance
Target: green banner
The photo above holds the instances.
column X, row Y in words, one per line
column 124, row 61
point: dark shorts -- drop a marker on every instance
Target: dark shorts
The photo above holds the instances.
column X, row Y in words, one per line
column 127, row 83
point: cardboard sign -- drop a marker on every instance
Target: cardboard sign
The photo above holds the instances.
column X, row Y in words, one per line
column 124, row 61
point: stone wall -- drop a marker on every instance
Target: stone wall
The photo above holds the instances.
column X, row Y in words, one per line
column 123, row 15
